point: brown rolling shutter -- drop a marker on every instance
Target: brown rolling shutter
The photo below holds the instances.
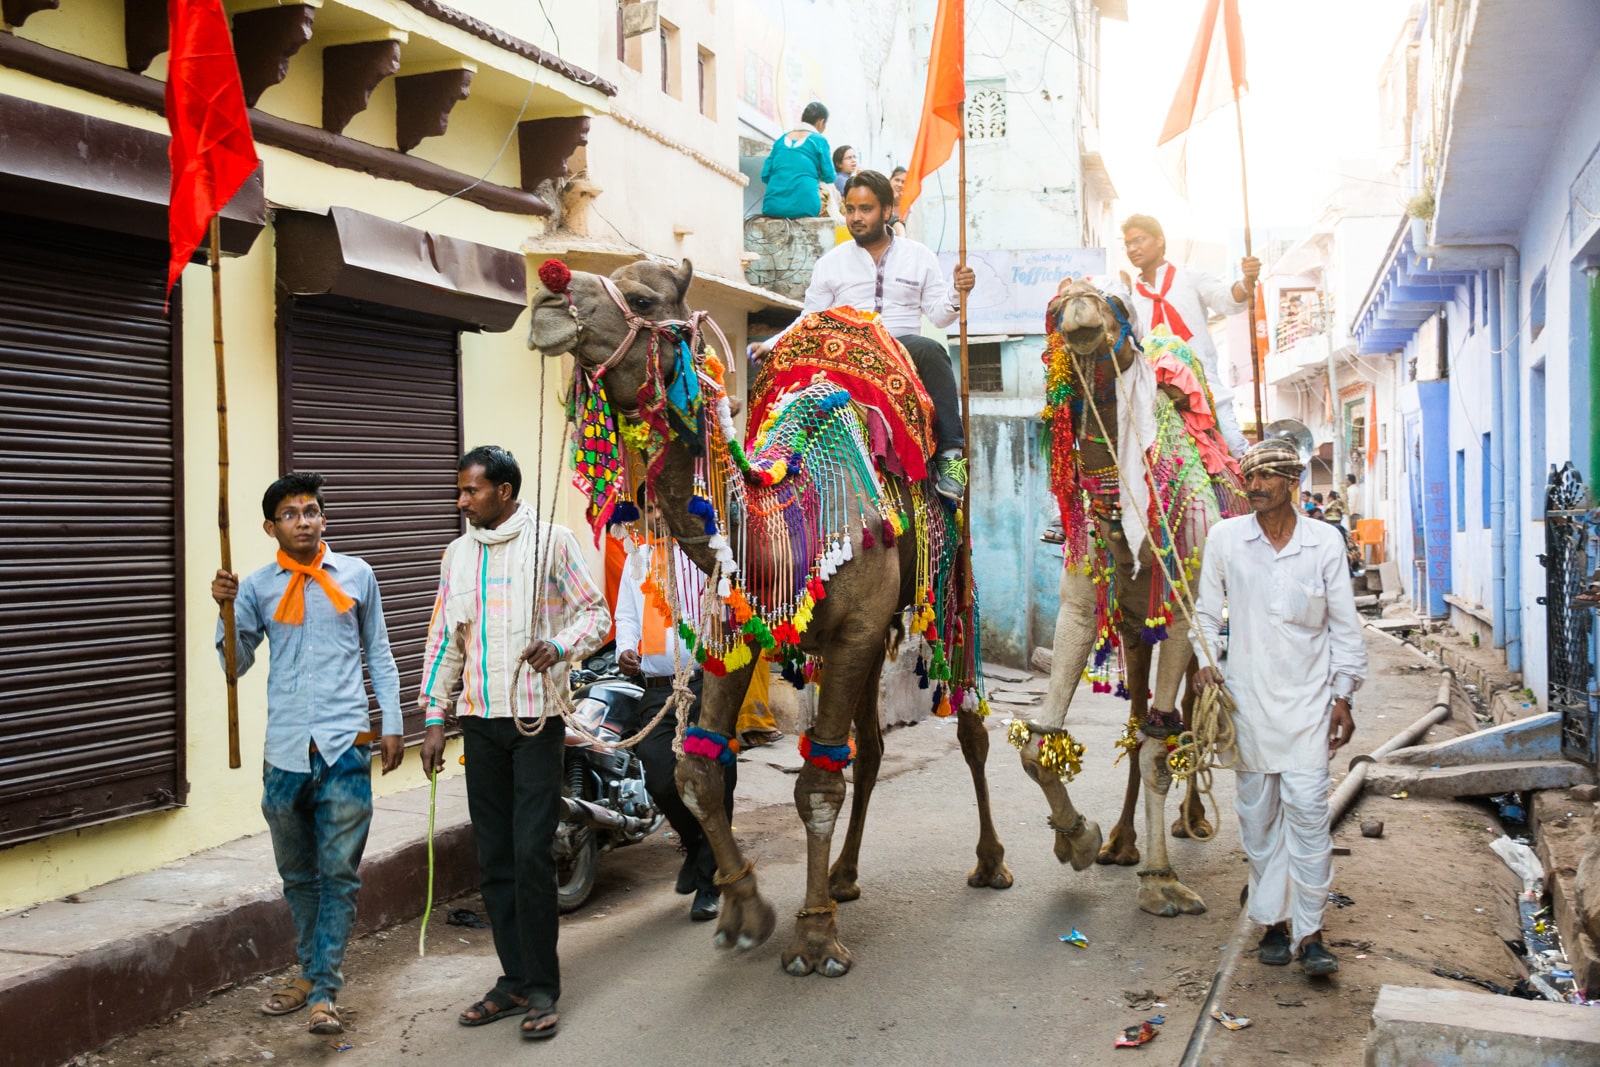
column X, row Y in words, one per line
column 372, row 401
column 91, row 724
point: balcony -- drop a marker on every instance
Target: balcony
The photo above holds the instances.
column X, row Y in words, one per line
column 1303, row 342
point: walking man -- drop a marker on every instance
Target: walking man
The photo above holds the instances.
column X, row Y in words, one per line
column 321, row 613
column 515, row 602
column 1180, row 299
column 1295, row 661
column 648, row 649
column 900, row 280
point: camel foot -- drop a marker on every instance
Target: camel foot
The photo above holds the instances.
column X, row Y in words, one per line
column 747, row 920
column 842, row 884
column 1122, row 849
column 816, row 947
column 1160, row 893
column 990, row 874
column 1081, row 847
column 1202, row 826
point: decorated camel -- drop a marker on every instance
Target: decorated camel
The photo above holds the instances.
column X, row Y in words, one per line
column 819, row 535
column 1140, row 475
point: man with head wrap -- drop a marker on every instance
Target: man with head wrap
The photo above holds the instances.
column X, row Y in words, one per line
column 1295, row 660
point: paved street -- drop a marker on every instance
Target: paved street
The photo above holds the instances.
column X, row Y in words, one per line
column 944, row 974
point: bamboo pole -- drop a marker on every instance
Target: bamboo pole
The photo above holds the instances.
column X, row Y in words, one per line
column 1250, row 290
column 969, row 637
column 229, row 631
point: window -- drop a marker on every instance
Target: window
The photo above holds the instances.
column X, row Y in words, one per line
column 984, row 373
column 1461, row 490
column 671, row 75
column 1487, row 477
column 707, row 70
column 986, row 110
column 1536, row 308
column 1538, row 470
column 622, row 36
column 630, row 30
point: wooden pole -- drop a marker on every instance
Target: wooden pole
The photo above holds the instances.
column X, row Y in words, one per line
column 1250, row 290
column 229, row 646
column 969, row 637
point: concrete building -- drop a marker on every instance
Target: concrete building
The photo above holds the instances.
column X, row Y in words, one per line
column 1483, row 299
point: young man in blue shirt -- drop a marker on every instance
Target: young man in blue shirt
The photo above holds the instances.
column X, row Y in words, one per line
column 322, row 615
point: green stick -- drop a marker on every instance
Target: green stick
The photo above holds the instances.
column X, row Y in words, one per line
column 427, row 907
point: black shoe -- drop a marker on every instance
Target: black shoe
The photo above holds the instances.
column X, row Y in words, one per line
column 686, row 874
column 1316, row 961
column 1273, row 949
column 705, row 906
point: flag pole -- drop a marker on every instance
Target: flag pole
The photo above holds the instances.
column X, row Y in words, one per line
column 229, row 631
column 1250, row 290
column 966, row 388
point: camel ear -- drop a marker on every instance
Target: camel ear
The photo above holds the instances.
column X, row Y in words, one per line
column 683, row 275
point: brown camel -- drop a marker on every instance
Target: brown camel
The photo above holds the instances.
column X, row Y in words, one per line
column 1095, row 337
column 849, row 631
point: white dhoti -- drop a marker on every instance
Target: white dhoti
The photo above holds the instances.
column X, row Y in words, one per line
column 1283, row 825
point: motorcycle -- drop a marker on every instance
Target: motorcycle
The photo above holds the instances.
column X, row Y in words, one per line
column 605, row 805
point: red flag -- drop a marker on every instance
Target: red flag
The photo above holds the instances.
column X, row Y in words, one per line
column 1205, row 85
column 212, row 150
column 940, row 127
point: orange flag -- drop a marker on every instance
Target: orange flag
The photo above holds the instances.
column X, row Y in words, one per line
column 940, row 127
column 1213, row 78
column 1263, row 338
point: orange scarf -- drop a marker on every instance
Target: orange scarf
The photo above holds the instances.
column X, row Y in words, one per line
column 292, row 608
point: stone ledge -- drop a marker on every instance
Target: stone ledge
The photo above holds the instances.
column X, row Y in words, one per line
column 1417, row 1027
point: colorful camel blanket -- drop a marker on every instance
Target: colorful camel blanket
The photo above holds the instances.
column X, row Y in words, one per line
column 855, row 352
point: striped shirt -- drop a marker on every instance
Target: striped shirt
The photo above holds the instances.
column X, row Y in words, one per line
column 476, row 637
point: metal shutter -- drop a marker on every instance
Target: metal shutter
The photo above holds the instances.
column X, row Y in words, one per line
column 91, row 714
column 373, row 402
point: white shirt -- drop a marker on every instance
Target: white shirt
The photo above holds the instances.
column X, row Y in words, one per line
column 631, row 609
column 1294, row 638
column 1192, row 295
column 904, row 285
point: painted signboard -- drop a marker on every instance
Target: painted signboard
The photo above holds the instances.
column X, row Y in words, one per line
column 1014, row 287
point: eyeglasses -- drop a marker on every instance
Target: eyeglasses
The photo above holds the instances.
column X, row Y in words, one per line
column 289, row 518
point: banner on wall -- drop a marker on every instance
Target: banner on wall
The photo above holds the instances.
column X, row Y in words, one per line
column 1013, row 288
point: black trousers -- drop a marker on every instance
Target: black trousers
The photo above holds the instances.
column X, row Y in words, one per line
column 514, row 800
column 659, row 767
column 938, row 375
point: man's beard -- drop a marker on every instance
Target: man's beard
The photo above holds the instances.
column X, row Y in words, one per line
column 872, row 237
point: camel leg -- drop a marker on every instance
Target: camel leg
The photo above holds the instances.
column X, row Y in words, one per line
column 842, row 884
column 1193, row 811
column 991, row 870
column 1160, row 891
column 747, row 919
column 1123, row 848
column 1077, row 838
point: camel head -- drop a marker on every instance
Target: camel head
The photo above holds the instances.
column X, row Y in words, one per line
column 1091, row 322
column 575, row 312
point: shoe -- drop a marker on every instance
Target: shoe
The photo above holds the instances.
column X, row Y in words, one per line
column 1316, row 961
column 951, row 476
column 705, row 906
column 1274, row 949
column 687, row 875
column 757, row 738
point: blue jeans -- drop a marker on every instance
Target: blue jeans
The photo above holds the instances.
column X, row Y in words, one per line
column 319, row 825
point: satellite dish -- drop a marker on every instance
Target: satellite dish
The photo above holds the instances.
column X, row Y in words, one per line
column 1295, row 432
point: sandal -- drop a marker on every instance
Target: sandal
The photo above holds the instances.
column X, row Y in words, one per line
column 325, row 1018
column 291, row 997
column 530, row 1022
column 494, row 1006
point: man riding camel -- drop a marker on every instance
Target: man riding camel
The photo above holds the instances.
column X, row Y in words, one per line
column 900, row 280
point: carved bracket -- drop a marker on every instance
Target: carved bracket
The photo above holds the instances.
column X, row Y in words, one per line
column 422, row 104
column 144, row 32
column 545, row 145
column 349, row 74
column 16, row 12
column 264, row 41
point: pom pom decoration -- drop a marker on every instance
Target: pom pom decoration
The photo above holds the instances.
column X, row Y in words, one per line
column 713, row 746
column 555, row 275
column 826, row 757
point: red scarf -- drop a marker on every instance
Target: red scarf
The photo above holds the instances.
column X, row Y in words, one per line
column 1163, row 311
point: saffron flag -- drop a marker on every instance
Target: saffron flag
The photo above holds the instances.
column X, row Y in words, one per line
column 212, row 150
column 1263, row 338
column 940, row 127
column 1213, row 78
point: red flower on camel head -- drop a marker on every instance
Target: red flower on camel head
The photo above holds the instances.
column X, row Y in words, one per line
column 555, row 275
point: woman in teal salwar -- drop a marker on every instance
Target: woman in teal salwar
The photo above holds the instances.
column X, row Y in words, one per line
column 799, row 161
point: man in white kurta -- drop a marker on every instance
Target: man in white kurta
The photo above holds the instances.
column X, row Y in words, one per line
column 1181, row 299
column 1295, row 659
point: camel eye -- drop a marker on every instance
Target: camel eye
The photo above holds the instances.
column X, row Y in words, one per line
column 639, row 303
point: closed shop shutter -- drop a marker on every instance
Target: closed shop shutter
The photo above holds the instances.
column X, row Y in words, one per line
column 373, row 403
column 91, row 723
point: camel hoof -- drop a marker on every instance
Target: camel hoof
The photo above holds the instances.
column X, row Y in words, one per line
column 1203, row 827
column 748, row 942
column 722, row 939
column 990, row 875
column 1122, row 849
column 1164, row 895
column 745, row 923
column 1082, row 848
column 798, row 967
column 842, row 886
column 832, row 968
column 816, row 947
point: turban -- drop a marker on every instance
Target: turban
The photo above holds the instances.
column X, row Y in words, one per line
column 1275, row 457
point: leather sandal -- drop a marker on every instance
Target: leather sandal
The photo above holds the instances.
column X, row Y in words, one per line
column 537, row 1014
column 494, row 1006
column 288, row 998
column 325, row 1018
